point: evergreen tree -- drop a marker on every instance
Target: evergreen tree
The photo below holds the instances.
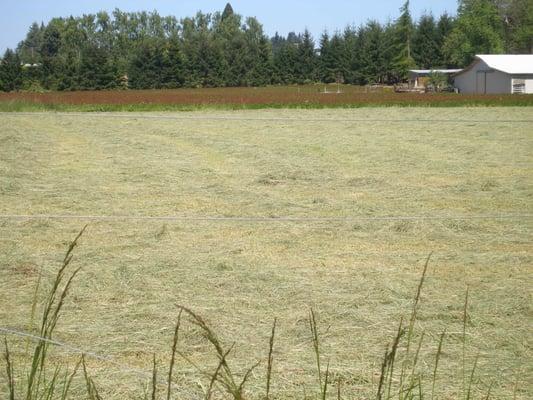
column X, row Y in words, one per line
column 172, row 71
column 294, row 38
column 96, row 69
column 277, row 41
column 286, row 63
column 393, row 67
column 351, row 57
column 425, row 43
column 10, row 72
column 144, row 70
column 373, row 53
column 401, row 45
column 228, row 11
column 258, row 55
column 229, row 34
column 28, row 49
column 307, row 60
column 444, row 28
column 52, row 65
column 99, row 50
column 478, row 30
column 331, row 58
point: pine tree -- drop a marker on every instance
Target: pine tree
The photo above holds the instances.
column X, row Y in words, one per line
column 218, row 49
column 97, row 71
column 286, row 63
column 28, row 49
column 425, row 43
column 324, row 59
column 351, row 58
column 10, row 72
column 228, row 11
column 277, row 42
column 228, row 33
column 145, row 70
column 373, row 53
column 52, row 65
column 172, row 74
column 401, row 50
column 258, row 55
column 444, row 28
column 307, row 60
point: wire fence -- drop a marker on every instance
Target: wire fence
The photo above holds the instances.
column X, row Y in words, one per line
column 177, row 218
column 77, row 350
column 207, row 117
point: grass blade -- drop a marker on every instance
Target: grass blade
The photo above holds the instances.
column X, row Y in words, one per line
column 471, row 380
column 437, row 358
column 270, row 359
column 214, row 377
column 66, row 387
column 325, row 389
column 465, row 318
column 173, row 356
column 154, row 379
column 316, row 343
column 9, row 371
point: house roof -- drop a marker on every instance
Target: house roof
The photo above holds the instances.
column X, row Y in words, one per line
column 507, row 63
column 441, row 71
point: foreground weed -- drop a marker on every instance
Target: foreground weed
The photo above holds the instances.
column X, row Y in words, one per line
column 270, row 359
column 38, row 384
column 399, row 378
column 223, row 374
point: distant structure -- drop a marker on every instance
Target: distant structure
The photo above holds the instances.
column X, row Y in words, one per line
column 419, row 78
column 497, row 74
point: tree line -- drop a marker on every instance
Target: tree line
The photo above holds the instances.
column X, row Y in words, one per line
column 142, row 50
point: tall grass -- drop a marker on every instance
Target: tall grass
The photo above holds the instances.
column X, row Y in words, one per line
column 38, row 383
column 399, row 375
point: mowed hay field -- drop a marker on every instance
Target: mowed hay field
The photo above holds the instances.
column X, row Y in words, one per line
column 358, row 275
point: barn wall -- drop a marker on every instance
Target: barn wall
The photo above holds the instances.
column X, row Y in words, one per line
column 473, row 80
column 466, row 81
column 498, row 82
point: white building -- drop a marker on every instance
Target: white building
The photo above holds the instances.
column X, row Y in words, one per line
column 497, row 74
column 418, row 78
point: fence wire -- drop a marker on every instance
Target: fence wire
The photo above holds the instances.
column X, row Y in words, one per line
column 73, row 349
column 265, row 119
column 177, row 218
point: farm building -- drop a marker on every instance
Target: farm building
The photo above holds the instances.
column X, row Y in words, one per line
column 497, row 74
column 418, row 78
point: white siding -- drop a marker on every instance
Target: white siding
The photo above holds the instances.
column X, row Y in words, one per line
column 481, row 79
column 528, row 80
column 529, row 86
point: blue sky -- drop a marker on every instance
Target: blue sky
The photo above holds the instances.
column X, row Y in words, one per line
column 276, row 15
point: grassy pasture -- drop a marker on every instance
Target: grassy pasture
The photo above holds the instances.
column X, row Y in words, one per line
column 359, row 275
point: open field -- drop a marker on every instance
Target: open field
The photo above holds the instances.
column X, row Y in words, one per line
column 358, row 274
column 306, row 96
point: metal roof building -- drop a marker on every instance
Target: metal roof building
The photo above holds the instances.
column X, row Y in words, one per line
column 497, row 74
column 418, row 77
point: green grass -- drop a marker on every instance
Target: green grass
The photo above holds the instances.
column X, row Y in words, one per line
column 358, row 277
